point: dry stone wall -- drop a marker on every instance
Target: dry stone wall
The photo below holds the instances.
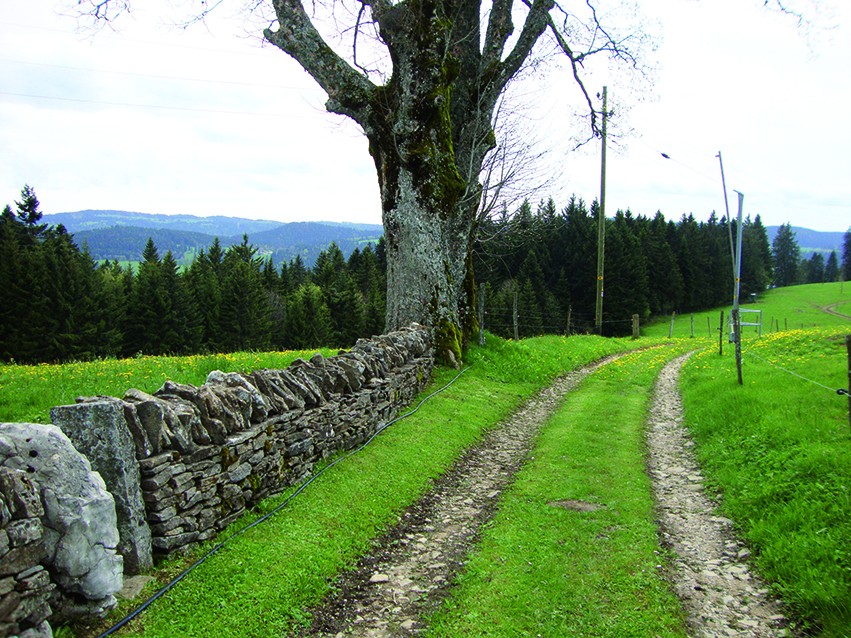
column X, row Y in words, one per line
column 25, row 585
column 205, row 454
column 178, row 465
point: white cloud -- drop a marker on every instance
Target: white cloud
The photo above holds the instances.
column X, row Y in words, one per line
column 255, row 139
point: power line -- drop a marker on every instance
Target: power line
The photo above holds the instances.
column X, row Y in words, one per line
column 839, row 391
column 141, row 106
column 153, row 75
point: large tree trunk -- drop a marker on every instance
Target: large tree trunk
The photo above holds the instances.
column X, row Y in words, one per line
column 431, row 118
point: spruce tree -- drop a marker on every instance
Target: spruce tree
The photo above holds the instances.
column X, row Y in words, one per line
column 846, row 256
column 786, row 255
column 815, row 269
column 308, row 319
column 146, row 306
column 245, row 313
column 831, row 268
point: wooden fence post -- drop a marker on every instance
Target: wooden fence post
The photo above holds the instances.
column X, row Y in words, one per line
column 514, row 315
column 671, row 330
column 635, row 328
column 481, row 315
column 692, row 325
column 569, row 312
column 848, row 346
column 721, row 334
column 708, row 325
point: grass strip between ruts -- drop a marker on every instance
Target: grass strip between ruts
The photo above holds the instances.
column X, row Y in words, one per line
column 546, row 570
column 262, row 583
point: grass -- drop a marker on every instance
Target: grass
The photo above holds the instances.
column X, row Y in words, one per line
column 778, row 449
column 792, row 307
column 28, row 392
column 261, row 583
column 542, row 570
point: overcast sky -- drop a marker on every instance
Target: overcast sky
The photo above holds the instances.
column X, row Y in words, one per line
column 155, row 119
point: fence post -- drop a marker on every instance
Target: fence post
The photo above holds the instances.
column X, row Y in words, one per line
column 514, row 314
column 721, row 334
column 708, row 325
column 635, row 327
column 481, row 315
column 692, row 325
column 671, row 329
column 569, row 312
column 848, row 346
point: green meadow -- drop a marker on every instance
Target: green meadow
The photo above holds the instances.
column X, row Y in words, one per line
column 776, row 452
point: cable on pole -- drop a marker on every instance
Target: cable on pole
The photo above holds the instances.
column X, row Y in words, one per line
column 839, row 391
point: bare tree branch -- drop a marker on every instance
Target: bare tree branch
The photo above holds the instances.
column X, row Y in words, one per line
column 348, row 91
column 536, row 23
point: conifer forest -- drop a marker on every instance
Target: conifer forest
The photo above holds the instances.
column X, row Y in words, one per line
column 537, row 264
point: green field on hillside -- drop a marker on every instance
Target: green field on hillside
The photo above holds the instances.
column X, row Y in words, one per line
column 793, row 307
column 776, row 452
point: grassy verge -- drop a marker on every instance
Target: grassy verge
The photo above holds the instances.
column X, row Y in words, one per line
column 791, row 307
column 27, row 392
column 542, row 570
column 779, row 449
column 260, row 584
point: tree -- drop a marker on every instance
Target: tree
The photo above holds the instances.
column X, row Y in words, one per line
column 815, row 269
column 245, row 318
column 846, row 256
column 786, row 255
column 831, row 268
column 428, row 114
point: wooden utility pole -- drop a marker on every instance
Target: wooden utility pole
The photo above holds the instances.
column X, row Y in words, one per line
column 601, row 223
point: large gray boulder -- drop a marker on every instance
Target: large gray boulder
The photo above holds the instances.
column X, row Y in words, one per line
column 80, row 531
column 99, row 427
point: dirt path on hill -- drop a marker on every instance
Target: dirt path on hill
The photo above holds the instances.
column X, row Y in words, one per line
column 710, row 574
column 830, row 310
column 410, row 568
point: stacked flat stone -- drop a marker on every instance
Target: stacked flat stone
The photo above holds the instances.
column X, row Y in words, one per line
column 205, row 454
column 222, row 447
column 25, row 586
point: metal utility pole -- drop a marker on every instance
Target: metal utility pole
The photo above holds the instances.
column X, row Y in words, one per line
column 737, row 273
column 601, row 224
column 727, row 208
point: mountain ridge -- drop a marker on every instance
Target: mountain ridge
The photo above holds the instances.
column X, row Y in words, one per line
column 122, row 235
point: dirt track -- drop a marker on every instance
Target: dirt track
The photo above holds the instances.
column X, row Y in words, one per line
column 411, row 567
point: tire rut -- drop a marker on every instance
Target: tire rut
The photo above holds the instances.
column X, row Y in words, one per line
column 408, row 572
column 720, row 594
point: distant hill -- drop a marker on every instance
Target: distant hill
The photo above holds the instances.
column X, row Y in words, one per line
column 811, row 241
column 122, row 235
column 126, row 243
column 217, row 226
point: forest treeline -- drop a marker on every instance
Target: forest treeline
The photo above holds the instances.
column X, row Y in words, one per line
column 58, row 304
column 542, row 264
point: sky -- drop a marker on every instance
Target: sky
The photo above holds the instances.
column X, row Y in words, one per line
column 153, row 118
